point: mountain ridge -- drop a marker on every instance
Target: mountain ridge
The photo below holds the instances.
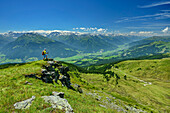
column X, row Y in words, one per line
column 32, row 45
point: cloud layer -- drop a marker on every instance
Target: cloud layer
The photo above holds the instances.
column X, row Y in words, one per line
column 155, row 4
column 91, row 29
column 165, row 30
column 165, row 14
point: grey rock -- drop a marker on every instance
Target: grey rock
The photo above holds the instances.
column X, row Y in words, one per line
column 133, row 109
column 28, row 83
column 60, row 94
column 50, row 62
column 24, row 104
column 114, row 106
column 59, row 103
column 108, row 99
column 43, row 70
column 77, row 87
column 102, row 106
column 98, row 98
column 114, row 97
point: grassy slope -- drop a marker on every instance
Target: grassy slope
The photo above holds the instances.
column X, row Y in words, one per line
column 12, row 90
column 128, row 92
column 157, row 72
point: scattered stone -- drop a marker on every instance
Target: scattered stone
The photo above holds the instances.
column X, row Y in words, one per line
column 133, row 109
column 24, row 104
column 125, row 77
column 50, row 62
column 102, row 106
column 98, row 98
column 145, row 84
column 108, row 99
column 60, row 94
column 149, row 83
column 114, row 97
column 28, row 83
column 43, row 71
column 77, row 87
column 32, row 76
column 118, row 108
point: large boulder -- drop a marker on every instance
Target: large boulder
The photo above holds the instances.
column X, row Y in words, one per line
column 57, row 102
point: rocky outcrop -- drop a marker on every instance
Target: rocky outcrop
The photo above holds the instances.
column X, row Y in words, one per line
column 54, row 71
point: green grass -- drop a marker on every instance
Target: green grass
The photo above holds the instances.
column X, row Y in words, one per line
column 129, row 92
column 157, row 72
column 12, row 90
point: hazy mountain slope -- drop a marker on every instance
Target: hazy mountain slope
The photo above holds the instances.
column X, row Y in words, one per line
column 5, row 40
column 121, row 40
column 86, row 43
column 147, row 49
column 31, row 45
column 93, row 42
column 13, row 35
column 151, row 39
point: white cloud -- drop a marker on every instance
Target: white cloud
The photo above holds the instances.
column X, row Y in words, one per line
column 101, row 30
column 165, row 30
column 145, row 32
column 157, row 16
column 155, row 4
column 82, row 28
column 43, row 31
column 91, row 29
column 132, row 32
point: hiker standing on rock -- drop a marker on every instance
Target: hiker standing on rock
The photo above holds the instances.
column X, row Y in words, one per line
column 44, row 53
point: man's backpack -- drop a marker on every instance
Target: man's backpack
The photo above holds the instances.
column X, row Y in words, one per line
column 42, row 52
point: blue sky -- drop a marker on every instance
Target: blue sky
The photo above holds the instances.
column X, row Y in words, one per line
column 117, row 16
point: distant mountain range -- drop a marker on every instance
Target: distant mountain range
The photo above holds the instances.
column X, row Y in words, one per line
column 66, row 44
column 31, row 45
column 146, row 48
column 93, row 43
column 81, row 41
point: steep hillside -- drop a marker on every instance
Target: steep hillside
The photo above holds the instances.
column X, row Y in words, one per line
column 147, row 49
column 150, row 40
column 145, row 88
column 32, row 45
column 5, row 40
column 147, row 82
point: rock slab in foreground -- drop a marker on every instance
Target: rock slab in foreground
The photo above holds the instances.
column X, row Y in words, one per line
column 24, row 104
column 58, row 102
